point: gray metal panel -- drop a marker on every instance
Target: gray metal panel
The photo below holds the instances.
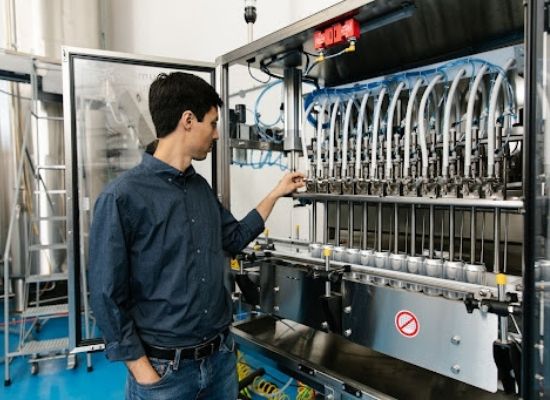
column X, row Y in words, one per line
column 288, row 292
column 449, row 341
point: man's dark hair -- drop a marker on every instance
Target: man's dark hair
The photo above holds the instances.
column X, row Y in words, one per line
column 172, row 94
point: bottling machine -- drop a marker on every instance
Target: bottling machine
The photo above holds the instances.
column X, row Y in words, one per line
column 421, row 128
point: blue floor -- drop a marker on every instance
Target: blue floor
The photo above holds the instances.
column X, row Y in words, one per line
column 105, row 382
column 54, row 381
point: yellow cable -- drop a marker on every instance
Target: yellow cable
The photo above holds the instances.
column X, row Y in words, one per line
column 243, row 370
column 305, row 392
column 268, row 389
column 261, row 386
column 351, row 47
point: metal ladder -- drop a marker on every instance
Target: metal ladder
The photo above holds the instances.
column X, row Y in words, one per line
column 41, row 311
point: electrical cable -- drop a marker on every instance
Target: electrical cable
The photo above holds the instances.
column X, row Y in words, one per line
column 268, row 390
column 262, row 126
column 322, row 57
column 264, row 65
column 261, row 386
column 256, row 79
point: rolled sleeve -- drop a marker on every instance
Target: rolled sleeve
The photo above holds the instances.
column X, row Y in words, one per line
column 238, row 234
column 109, row 280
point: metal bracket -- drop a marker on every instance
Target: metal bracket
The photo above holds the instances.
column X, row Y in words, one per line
column 330, row 393
column 306, row 370
column 351, row 390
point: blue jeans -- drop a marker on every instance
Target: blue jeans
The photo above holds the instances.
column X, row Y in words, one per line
column 213, row 377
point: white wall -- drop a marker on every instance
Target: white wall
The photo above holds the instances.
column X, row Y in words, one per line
column 43, row 26
column 202, row 31
column 304, row 8
column 195, row 30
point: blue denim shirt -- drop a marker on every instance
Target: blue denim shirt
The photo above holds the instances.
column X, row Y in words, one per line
column 156, row 265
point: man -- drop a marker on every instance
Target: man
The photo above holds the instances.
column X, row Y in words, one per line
column 157, row 246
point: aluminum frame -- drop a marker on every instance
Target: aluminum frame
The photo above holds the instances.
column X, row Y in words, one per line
column 69, row 54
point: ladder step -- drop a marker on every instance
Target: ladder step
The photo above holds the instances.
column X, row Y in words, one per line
column 52, row 246
column 44, row 346
column 52, row 218
column 43, row 311
column 51, row 191
column 54, row 167
column 59, row 276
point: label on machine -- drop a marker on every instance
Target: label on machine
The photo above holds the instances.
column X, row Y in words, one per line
column 407, row 323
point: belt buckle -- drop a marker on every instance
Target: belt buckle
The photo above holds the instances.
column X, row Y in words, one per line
column 198, row 352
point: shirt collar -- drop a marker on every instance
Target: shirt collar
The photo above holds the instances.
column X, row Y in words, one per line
column 165, row 170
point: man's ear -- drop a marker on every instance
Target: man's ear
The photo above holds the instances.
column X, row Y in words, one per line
column 186, row 120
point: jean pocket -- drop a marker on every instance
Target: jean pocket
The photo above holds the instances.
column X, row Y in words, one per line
column 228, row 344
column 163, row 369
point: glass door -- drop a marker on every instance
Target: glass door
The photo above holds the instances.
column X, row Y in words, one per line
column 107, row 129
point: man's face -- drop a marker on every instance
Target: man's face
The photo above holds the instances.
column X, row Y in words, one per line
column 203, row 135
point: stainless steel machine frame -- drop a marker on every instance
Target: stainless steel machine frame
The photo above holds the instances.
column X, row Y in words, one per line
column 506, row 28
column 378, row 17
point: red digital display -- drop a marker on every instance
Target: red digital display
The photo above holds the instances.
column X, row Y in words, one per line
column 338, row 33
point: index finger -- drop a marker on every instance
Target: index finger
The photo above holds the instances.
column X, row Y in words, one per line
column 296, row 174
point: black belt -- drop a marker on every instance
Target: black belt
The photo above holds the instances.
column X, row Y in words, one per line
column 198, row 352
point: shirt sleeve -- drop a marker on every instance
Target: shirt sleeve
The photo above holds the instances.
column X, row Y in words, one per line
column 109, row 281
column 237, row 234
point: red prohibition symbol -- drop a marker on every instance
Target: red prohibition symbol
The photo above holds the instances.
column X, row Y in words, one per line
column 407, row 324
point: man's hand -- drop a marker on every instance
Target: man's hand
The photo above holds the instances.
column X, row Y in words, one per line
column 143, row 371
column 288, row 184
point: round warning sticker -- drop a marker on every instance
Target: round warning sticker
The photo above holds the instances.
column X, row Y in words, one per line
column 407, row 323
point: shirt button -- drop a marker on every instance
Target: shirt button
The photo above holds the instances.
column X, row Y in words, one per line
column 169, row 179
column 204, row 338
column 193, row 220
column 202, row 279
column 198, row 251
column 205, row 311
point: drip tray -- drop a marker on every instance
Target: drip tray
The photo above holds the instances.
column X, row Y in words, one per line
column 331, row 364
